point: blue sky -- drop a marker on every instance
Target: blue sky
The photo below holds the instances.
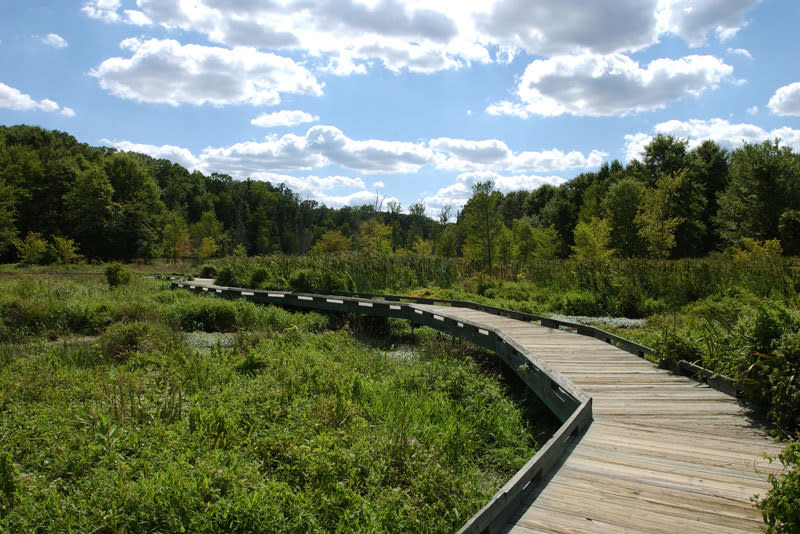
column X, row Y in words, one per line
column 344, row 100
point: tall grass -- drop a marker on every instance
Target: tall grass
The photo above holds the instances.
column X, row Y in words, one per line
column 116, row 423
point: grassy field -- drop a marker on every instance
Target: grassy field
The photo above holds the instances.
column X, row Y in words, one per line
column 144, row 409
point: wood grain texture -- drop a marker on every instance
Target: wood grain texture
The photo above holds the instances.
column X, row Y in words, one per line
column 663, row 453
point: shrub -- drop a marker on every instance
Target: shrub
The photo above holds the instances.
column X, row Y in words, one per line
column 779, row 507
column 302, row 280
column 580, row 303
column 208, row 271
column 63, row 250
column 32, row 249
column 116, row 275
column 121, row 339
column 209, row 315
column 258, row 277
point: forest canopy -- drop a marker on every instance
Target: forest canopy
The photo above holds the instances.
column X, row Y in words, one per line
column 60, row 198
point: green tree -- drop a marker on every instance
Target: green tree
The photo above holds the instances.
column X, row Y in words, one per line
column 532, row 242
column 665, row 154
column 89, row 211
column 207, row 249
column 789, row 229
column 332, row 242
column 709, row 171
column 447, row 245
column 375, row 237
column 592, row 240
column 620, row 206
column 423, row 247
column 8, row 216
column 63, row 249
column 138, row 210
column 764, row 183
column 32, row 249
column 175, row 244
column 482, row 221
column 656, row 216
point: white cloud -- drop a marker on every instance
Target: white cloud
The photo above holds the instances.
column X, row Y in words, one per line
column 693, row 19
column 368, row 156
column 721, row 131
column 459, row 193
column 495, row 156
column 164, row 71
column 741, row 52
column 752, row 110
column 54, row 40
column 635, row 144
column 786, row 100
column 105, row 10
column 594, row 85
column 274, row 154
column 488, row 151
column 432, row 35
column 322, row 189
column 565, row 26
column 283, row 118
column 182, row 156
column 323, row 146
column 137, row 18
column 378, row 185
column 12, row 98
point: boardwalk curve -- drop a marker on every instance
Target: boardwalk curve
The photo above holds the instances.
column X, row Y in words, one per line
column 640, row 449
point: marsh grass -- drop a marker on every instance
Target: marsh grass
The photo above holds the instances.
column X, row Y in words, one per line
column 110, row 420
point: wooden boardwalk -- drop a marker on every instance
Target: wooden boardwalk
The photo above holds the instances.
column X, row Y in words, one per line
column 663, row 453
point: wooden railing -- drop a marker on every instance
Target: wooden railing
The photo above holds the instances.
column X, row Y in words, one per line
column 569, row 403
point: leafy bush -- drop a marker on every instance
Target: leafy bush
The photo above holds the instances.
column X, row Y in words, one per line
column 580, row 303
column 207, row 314
column 116, row 275
column 258, row 277
column 779, row 507
column 121, row 339
column 302, row 280
column 208, row 271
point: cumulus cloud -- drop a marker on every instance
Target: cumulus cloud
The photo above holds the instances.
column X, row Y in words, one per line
column 694, row 20
column 433, row 35
column 786, row 100
column 105, row 10
column 12, row 98
column 595, row 85
column 635, row 145
column 459, row 193
column 741, row 52
column 284, row 117
column 164, row 71
column 182, row 156
column 54, row 40
column 564, row 26
column 726, row 134
column 367, row 156
column 328, row 190
column 494, row 155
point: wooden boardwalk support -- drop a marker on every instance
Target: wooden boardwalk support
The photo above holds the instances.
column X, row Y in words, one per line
column 640, row 449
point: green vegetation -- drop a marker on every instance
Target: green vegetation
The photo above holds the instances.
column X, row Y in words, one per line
column 65, row 201
column 137, row 408
column 695, row 240
column 779, row 508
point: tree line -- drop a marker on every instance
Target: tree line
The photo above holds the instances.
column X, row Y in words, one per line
column 59, row 198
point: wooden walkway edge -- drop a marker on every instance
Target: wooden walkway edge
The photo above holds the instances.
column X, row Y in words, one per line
column 639, row 449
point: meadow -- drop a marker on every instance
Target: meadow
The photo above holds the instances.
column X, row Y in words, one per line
column 139, row 408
